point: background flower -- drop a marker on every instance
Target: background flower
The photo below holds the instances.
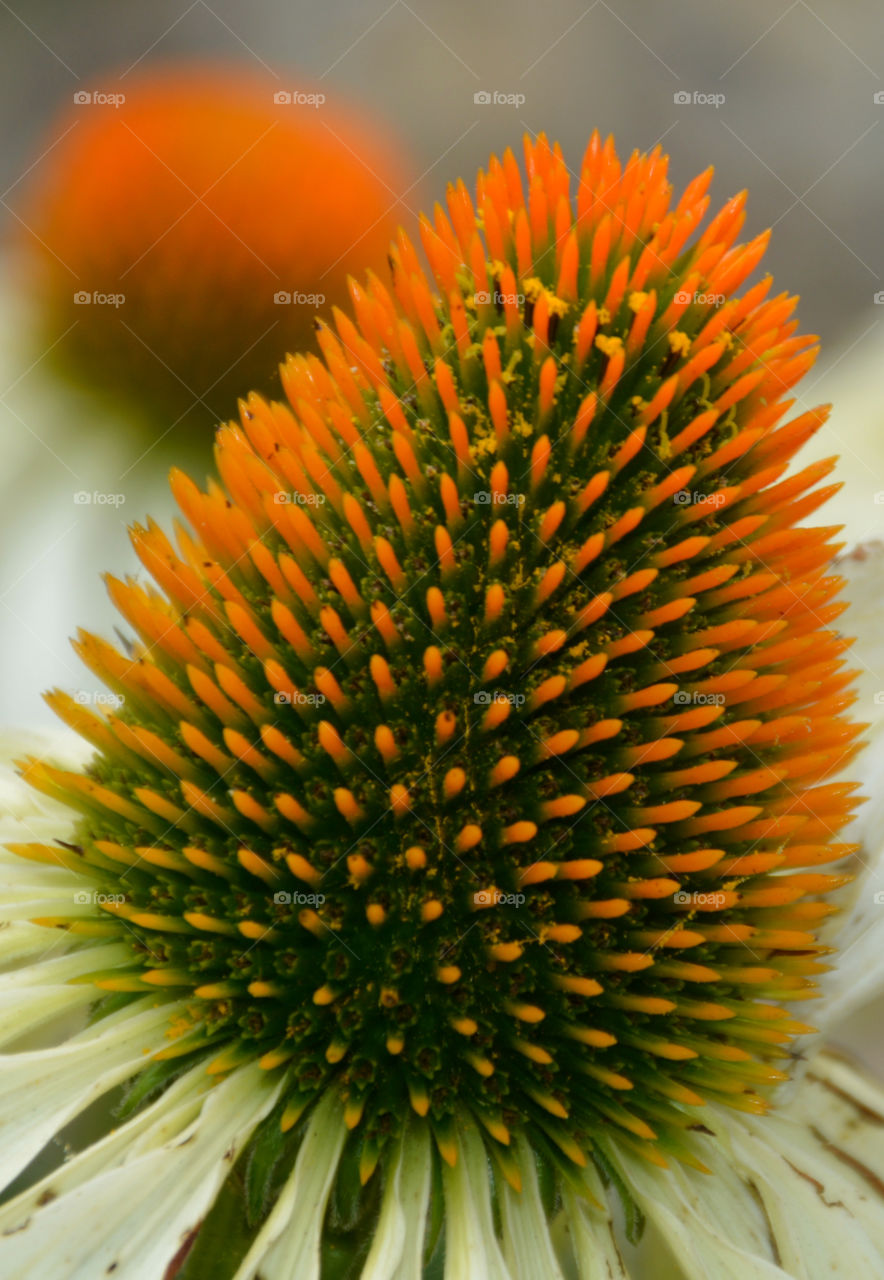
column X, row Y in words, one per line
column 189, row 225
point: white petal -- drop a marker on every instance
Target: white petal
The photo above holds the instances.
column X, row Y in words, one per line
column 133, row 1219
column 42, row 1090
column 397, row 1249
column 23, row 1012
column 20, row 940
column 35, row 903
column 851, row 382
column 823, row 1223
column 61, row 746
column 592, row 1239
column 54, row 969
column 858, row 972
column 471, row 1247
column 20, row 872
column 778, row 1203
column 857, row 975
column 25, row 813
column 288, row 1245
column 527, row 1247
column 845, row 1108
column 22, row 880
column 38, row 992
column 863, row 570
column 155, row 1125
column 695, row 1236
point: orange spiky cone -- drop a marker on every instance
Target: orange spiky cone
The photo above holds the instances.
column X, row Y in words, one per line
column 493, row 693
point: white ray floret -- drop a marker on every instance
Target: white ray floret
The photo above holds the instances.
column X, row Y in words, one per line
column 129, row 1220
column 288, row 1245
column 397, row 1249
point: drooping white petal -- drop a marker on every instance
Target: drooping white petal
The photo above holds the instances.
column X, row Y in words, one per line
column 694, row 1235
column 527, row 1247
column 156, row 1124
column 397, row 1249
column 821, row 1221
column 41, row 1091
column 590, row 1237
column 778, row 1202
column 846, row 1110
column 288, row 1245
column 471, row 1247
column 133, row 1219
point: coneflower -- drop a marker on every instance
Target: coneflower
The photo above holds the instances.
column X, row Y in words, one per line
column 177, row 244
column 465, row 820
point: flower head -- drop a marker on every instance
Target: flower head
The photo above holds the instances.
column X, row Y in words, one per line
column 468, row 782
column 184, row 237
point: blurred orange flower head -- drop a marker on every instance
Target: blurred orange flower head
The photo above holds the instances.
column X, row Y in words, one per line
column 190, row 222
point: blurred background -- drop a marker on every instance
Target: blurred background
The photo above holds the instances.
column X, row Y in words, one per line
column 311, row 132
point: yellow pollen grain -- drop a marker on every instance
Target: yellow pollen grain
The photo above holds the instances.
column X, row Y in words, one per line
column 524, row 1012
column 534, row 288
column 608, row 344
